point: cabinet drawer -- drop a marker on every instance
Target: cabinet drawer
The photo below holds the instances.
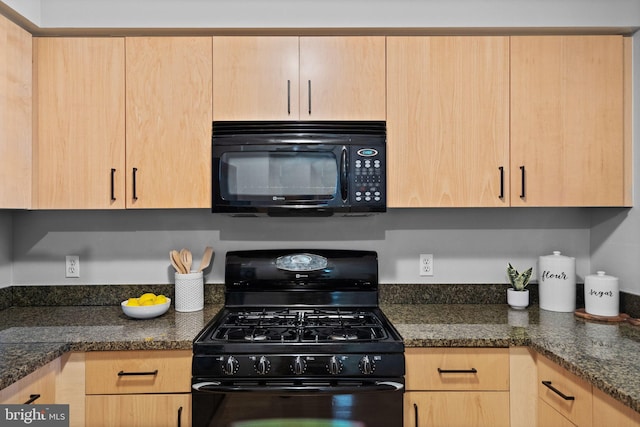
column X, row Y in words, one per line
column 576, row 405
column 457, row 368
column 156, row 371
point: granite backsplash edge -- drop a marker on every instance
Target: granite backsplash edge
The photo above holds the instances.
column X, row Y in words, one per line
column 70, row 295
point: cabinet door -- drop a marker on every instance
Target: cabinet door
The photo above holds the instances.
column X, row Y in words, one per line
column 15, row 116
column 607, row 411
column 39, row 387
column 451, row 409
column 255, row 78
column 342, row 78
column 139, row 410
column 448, row 121
column 567, row 102
column 168, row 122
column 79, row 138
column 549, row 417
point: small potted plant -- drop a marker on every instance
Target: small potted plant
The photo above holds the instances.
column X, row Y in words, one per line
column 518, row 294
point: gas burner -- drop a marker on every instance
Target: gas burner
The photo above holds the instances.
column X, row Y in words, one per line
column 343, row 337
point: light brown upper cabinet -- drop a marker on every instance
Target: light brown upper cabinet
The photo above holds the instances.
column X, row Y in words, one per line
column 15, row 116
column 169, row 114
column 567, row 121
column 79, row 138
column 299, row 78
column 448, row 121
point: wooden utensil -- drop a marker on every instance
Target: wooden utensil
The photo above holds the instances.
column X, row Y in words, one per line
column 176, row 262
column 206, row 258
column 187, row 259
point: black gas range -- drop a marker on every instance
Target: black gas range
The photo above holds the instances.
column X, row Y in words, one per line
column 301, row 337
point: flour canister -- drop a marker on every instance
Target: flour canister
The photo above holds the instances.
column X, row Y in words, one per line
column 601, row 294
column 557, row 282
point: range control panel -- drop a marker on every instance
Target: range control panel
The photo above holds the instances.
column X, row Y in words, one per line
column 309, row 365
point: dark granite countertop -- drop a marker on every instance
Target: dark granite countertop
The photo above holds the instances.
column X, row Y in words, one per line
column 603, row 354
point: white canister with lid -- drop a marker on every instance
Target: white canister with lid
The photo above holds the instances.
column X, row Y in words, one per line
column 557, row 282
column 601, row 295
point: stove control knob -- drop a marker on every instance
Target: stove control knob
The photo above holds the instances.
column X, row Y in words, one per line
column 263, row 365
column 231, row 366
column 334, row 366
column 367, row 366
column 299, row 366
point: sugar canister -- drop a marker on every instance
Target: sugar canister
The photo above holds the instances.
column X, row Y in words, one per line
column 601, row 294
column 557, row 282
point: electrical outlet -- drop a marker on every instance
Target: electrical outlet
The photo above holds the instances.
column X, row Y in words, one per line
column 426, row 264
column 72, row 266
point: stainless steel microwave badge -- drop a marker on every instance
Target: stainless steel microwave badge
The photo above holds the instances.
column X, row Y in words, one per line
column 301, row 262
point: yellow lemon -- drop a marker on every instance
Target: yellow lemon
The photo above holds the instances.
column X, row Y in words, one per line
column 161, row 299
column 132, row 301
column 148, row 301
column 146, row 297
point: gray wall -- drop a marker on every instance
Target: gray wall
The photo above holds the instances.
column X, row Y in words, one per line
column 469, row 245
column 329, row 13
column 6, row 248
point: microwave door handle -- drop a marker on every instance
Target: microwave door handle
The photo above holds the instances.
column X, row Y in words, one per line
column 344, row 185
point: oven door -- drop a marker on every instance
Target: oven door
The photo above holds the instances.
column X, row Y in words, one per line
column 350, row 403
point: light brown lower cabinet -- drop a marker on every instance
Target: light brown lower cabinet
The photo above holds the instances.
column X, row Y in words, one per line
column 39, row 387
column 566, row 400
column 143, row 388
column 549, row 417
column 139, row 410
column 608, row 411
column 466, row 387
column 563, row 392
column 456, row 408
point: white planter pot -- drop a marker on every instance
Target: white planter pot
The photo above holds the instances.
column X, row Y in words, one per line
column 518, row 300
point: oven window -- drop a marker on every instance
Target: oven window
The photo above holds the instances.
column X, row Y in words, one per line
column 300, row 175
column 255, row 409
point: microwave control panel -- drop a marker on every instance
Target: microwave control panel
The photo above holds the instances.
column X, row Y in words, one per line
column 368, row 176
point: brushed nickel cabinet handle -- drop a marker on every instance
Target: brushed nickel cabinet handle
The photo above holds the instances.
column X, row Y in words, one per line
column 556, row 391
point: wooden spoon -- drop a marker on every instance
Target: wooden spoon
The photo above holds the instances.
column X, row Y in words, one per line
column 187, row 259
column 206, row 258
column 176, row 262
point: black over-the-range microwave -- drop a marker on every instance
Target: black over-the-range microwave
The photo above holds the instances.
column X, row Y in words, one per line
column 299, row 168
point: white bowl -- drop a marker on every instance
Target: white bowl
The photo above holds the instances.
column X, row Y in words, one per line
column 145, row 311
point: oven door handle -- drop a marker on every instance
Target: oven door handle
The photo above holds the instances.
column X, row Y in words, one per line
column 378, row 386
